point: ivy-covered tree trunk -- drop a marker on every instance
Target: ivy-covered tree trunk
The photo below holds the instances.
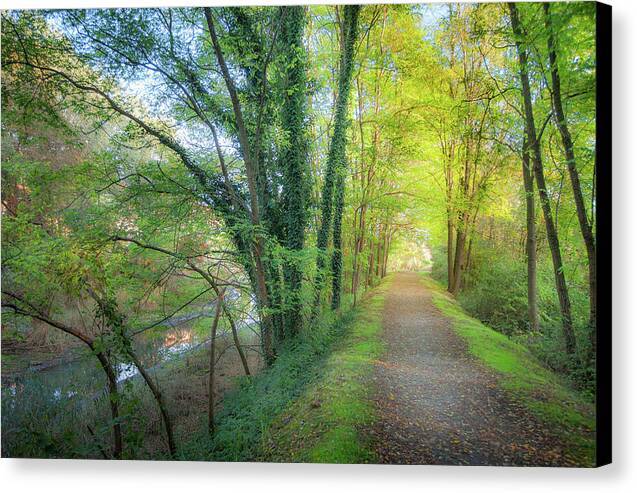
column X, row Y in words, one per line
column 294, row 157
column 334, row 186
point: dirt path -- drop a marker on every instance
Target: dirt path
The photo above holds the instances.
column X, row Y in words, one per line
column 436, row 404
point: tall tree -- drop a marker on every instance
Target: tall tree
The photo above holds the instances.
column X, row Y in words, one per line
column 350, row 35
column 538, row 169
column 531, row 239
column 252, row 173
column 332, row 195
column 294, row 157
column 571, row 163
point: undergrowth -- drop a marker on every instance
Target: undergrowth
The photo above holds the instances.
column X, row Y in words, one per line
column 319, row 370
column 495, row 292
column 324, row 424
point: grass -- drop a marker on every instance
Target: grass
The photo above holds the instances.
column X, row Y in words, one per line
column 323, row 424
column 541, row 391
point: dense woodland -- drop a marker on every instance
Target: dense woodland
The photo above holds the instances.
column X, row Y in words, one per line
column 264, row 167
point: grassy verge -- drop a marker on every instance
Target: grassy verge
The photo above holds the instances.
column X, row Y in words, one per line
column 323, row 424
column 541, row 391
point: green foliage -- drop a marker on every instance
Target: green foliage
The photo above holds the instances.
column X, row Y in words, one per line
column 124, row 180
column 495, row 293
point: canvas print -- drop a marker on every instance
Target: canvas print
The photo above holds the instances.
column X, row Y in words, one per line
column 306, row 233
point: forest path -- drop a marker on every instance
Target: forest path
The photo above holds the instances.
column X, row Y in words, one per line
column 436, row 404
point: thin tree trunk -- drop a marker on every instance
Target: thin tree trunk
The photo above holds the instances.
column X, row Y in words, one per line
column 235, row 338
column 467, row 262
column 538, row 169
column 461, row 237
column 211, row 369
column 567, row 142
column 160, row 401
column 379, row 249
column 531, row 241
column 450, row 254
column 358, row 249
column 370, row 267
column 337, row 254
column 389, row 238
column 355, row 256
column 113, row 395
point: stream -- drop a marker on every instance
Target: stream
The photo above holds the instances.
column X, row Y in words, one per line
column 77, row 372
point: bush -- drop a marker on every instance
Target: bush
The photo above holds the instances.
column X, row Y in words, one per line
column 496, row 294
column 439, row 266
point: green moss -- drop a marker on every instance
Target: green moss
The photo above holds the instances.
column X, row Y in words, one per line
column 534, row 386
column 341, row 446
column 323, row 424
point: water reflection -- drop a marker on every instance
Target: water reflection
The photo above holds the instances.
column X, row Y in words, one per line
column 81, row 376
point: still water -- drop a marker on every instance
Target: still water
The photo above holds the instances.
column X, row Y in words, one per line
column 79, row 376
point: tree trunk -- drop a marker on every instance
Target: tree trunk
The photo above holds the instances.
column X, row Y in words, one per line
column 531, row 241
column 337, row 254
column 379, row 249
column 567, row 142
column 351, row 30
column 359, row 246
column 160, row 402
column 450, row 253
column 235, row 338
column 538, row 169
column 295, row 168
column 113, row 395
column 355, row 256
column 458, row 257
column 370, row 267
column 389, row 237
column 467, row 262
column 211, row 369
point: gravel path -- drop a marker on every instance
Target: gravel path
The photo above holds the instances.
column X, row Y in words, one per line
column 436, row 404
